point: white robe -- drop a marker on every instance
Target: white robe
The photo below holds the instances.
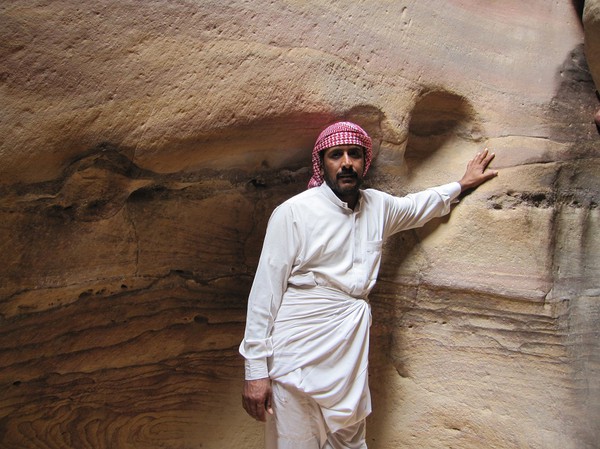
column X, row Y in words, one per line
column 308, row 319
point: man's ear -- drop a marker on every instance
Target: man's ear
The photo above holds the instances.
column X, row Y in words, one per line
column 321, row 172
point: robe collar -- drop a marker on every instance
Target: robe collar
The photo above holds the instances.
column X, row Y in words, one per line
column 332, row 197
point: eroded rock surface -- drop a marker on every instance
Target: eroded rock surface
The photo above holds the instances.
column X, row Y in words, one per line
column 143, row 148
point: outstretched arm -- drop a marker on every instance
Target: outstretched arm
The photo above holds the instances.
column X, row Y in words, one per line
column 477, row 171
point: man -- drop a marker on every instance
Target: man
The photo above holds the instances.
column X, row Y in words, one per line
column 307, row 331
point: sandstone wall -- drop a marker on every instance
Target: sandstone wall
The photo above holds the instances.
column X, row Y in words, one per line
column 143, row 146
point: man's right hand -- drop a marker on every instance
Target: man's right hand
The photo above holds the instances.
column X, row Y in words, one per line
column 257, row 398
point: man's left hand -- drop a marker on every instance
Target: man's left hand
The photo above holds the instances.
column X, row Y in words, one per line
column 478, row 171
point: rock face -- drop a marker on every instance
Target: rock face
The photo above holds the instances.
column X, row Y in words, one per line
column 144, row 145
column 591, row 23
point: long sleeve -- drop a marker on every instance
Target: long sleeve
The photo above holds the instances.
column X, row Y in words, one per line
column 416, row 209
column 313, row 239
column 279, row 252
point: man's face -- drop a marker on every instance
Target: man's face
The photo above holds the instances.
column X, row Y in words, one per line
column 343, row 168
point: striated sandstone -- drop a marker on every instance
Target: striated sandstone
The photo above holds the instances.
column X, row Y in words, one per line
column 143, row 147
column 591, row 26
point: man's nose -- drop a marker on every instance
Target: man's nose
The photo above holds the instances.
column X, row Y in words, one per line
column 346, row 160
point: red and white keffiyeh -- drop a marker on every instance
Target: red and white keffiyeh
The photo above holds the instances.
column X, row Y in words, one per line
column 340, row 133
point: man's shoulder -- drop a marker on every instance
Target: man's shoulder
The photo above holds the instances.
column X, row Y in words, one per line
column 304, row 197
column 371, row 192
column 375, row 195
column 300, row 200
column 374, row 199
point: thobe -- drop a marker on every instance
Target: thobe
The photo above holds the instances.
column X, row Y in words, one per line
column 308, row 318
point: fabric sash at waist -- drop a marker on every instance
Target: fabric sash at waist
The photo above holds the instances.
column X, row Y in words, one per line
column 320, row 346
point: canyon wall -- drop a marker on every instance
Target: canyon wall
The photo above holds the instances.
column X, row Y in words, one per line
column 143, row 146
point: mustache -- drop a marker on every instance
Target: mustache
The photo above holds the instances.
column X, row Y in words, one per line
column 348, row 172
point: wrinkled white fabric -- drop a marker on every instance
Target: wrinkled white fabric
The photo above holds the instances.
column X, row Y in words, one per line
column 320, row 341
column 297, row 423
column 308, row 322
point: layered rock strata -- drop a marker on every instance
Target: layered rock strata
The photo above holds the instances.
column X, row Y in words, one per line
column 143, row 147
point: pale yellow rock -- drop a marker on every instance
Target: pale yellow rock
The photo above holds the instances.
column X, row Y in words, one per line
column 143, row 146
column 591, row 25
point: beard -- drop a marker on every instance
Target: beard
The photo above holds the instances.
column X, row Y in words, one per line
column 339, row 188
